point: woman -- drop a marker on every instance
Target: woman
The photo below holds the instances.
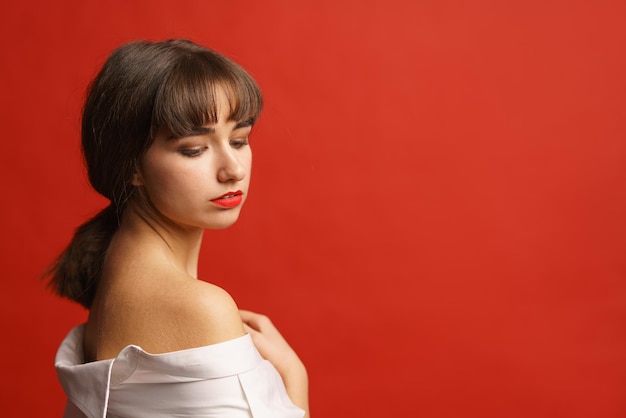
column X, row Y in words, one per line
column 165, row 137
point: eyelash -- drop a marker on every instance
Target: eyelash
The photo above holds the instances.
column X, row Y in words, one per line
column 239, row 143
column 196, row 152
column 192, row 152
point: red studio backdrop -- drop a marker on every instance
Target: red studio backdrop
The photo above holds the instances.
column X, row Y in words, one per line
column 437, row 213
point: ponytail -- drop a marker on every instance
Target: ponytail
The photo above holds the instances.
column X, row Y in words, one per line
column 76, row 272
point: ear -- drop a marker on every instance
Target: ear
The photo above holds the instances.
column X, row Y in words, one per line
column 137, row 179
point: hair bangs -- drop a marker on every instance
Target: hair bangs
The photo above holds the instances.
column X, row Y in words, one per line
column 189, row 97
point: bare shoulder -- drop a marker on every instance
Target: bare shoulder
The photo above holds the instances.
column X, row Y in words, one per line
column 209, row 312
column 166, row 313
column 193, row 313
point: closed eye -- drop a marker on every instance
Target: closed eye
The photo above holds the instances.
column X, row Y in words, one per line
column 239, row 143
column 192, row 152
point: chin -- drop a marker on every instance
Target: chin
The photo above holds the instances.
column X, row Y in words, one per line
column 224, row 222
column 217, row 227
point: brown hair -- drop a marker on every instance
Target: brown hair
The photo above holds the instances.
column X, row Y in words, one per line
column 142, row 87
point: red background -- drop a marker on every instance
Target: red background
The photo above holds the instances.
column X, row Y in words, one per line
column 437, row 218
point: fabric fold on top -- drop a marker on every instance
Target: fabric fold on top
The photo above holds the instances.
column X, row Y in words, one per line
column 229, row 378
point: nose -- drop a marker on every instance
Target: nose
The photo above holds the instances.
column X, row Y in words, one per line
column 230, row 167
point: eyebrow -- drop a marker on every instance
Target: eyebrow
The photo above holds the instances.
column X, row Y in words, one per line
column 244, row 124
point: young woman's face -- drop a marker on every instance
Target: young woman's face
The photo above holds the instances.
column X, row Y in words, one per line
column 201, row 180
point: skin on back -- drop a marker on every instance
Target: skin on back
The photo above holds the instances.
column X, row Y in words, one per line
column 144, row 299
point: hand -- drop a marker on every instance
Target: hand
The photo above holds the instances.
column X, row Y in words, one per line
column 269, row 341
column 277, row 351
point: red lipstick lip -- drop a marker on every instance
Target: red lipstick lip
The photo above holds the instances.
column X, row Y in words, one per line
column 229, row 200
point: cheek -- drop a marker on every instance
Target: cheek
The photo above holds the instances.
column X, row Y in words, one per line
column 171, row 181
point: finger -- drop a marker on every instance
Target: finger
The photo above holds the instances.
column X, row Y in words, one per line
column 253, row 320
column 246, row 316
column 249, row 329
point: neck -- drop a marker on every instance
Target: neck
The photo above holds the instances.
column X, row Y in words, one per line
column 180, row 245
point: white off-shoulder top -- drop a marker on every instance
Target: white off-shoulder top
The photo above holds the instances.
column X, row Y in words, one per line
column 229, row 379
